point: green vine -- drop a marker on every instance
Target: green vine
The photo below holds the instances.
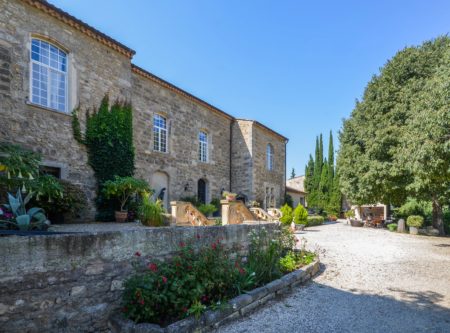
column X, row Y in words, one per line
column 109, row 141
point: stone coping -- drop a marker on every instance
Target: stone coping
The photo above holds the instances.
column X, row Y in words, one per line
column 237, row 307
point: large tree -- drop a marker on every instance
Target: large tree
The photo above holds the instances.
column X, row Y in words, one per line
column 396, row 142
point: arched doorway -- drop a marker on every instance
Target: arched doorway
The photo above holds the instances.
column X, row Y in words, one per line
column 202, row 190
column 160, row 183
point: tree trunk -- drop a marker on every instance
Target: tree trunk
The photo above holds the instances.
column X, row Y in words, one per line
column 438, row 217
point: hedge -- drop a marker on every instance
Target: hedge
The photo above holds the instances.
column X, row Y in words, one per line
column 314, row 220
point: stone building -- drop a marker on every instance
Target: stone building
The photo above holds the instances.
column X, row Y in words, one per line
column 51, row 62
column 295, row 187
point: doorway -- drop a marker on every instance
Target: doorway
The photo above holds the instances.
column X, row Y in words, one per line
column 201, row 191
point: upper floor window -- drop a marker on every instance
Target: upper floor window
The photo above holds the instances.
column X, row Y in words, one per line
column 203, row 146
column 159, row 133
column 48, row 75
column 269, row 157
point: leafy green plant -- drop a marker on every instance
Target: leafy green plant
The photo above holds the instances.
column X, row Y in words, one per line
column 350, row 214
column 314, row 220
column 109, row 142
column 218, row 221
column 21, row 218
column 414, row 221
column 296, row 259
column 287, row 212
column 300, row 215
column 392, row 227
column 150, row 212
column 192, row 199
column 123, row 188
column 207, row 209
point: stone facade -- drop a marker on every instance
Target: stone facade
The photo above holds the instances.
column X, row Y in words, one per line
column 98, row 65
column 73, row 283
column 250, row 173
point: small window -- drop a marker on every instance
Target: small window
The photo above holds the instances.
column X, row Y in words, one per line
column 48, row 78
column 159, row 133
column 203, row 146
column 269, row 156
column 51, row 171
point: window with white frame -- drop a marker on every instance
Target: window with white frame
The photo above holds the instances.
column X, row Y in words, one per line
column 48, row 81
column 203, row 146
column 269, row 157
column 159, row 133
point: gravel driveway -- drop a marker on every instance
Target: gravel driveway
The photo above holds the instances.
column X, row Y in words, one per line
column 372, row 280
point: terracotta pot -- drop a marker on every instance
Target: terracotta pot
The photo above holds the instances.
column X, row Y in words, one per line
column 121, row 217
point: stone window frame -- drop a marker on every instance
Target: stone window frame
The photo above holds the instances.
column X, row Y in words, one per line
column 203, row 146
column 269, row 157
column 167, row 130
column 68, row 76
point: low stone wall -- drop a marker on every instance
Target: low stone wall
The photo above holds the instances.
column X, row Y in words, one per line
column 237, row 307
column 73, row 283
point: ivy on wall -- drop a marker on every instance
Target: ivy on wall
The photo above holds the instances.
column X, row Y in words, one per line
column 109, row 141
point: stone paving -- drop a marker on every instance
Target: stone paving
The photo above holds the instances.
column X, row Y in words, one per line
column 372, row 280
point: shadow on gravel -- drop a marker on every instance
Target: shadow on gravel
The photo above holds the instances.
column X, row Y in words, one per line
column 338, row 310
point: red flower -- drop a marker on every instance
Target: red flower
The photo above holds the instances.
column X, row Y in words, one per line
column 141, row 302
column 137, row 254
column 241, row 271
column 153, row 267
column 204, row 298
column 198, row 236
column 189, row 268
column 214, row 246
column 182, row 244
column 236, row 264
column 164, row 279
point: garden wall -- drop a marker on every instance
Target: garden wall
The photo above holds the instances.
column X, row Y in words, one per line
column 72, row 283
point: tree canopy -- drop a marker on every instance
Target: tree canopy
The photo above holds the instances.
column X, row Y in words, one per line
column 396, row 143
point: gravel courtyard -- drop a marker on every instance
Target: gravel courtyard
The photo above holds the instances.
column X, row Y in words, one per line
column 372, row 280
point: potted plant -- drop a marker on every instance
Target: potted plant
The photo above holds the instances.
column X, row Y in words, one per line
column 207, row 209
column 414, row 222
column 349, row 214
column 123, row 188
column 229, row 196
column 150, row 212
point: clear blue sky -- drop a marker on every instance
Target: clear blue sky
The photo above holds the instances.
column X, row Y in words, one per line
column 296, row 66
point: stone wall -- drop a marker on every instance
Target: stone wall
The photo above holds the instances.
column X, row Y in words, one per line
column 94, row 70
column 72, row 283
column 250, row 175
column 185, row 121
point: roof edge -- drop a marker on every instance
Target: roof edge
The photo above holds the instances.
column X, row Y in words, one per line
column 81, row 26
column 265, row 127
column 138, row 70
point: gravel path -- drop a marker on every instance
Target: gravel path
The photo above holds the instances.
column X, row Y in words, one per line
column 372, row 280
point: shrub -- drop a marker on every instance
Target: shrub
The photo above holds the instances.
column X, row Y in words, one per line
column 300, row 215
column 350, row 214
column 332, row 218
column 392, row 227
column 123, row 188
column 192, row 199
column 295, row 259
column 161, row 292
column 288, row 200
column 314, row 220
column 415, row 221
column 150, row 212
column 207, row 209
column 287, row 212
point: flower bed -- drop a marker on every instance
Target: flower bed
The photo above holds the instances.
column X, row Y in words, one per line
column 193, row 289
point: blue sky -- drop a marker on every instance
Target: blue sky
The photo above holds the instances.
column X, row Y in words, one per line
column 296, row 66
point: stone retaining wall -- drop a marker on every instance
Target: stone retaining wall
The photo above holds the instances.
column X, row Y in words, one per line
column 73, row 283
column 237, row 307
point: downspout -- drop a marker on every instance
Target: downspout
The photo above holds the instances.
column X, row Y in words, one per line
column 231, row 151
column 285, row 169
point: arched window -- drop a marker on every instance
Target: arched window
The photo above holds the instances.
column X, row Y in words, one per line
column 159, row 133
column 203, row 146
column 48, row 75
column 269, row 157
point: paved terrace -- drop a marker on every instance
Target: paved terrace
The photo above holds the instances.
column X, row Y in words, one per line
column 373, row 281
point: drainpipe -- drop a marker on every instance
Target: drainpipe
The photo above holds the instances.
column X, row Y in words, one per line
column 231, row 150
column 285, row 161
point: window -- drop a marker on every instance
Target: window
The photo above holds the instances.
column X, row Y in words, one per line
column 48, row 76
column 49, row 170
column 159, row 133
column 269, row 156
column 203, row 146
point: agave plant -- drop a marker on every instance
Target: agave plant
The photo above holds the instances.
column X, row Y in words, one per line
column 23, row 219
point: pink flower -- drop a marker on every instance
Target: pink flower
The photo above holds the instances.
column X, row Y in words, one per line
column 198, row 236
column 137, row 254
column 164, row 279
column 214, row 246
column 153, row 267
column 141, row 302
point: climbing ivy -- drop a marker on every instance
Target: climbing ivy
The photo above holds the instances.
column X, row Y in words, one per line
column 109, row 141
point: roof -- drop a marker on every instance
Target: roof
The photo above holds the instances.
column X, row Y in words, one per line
column 257, row 123
column 291, row 189
column 296, row 183
column 138, row 70
column 79, row 25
